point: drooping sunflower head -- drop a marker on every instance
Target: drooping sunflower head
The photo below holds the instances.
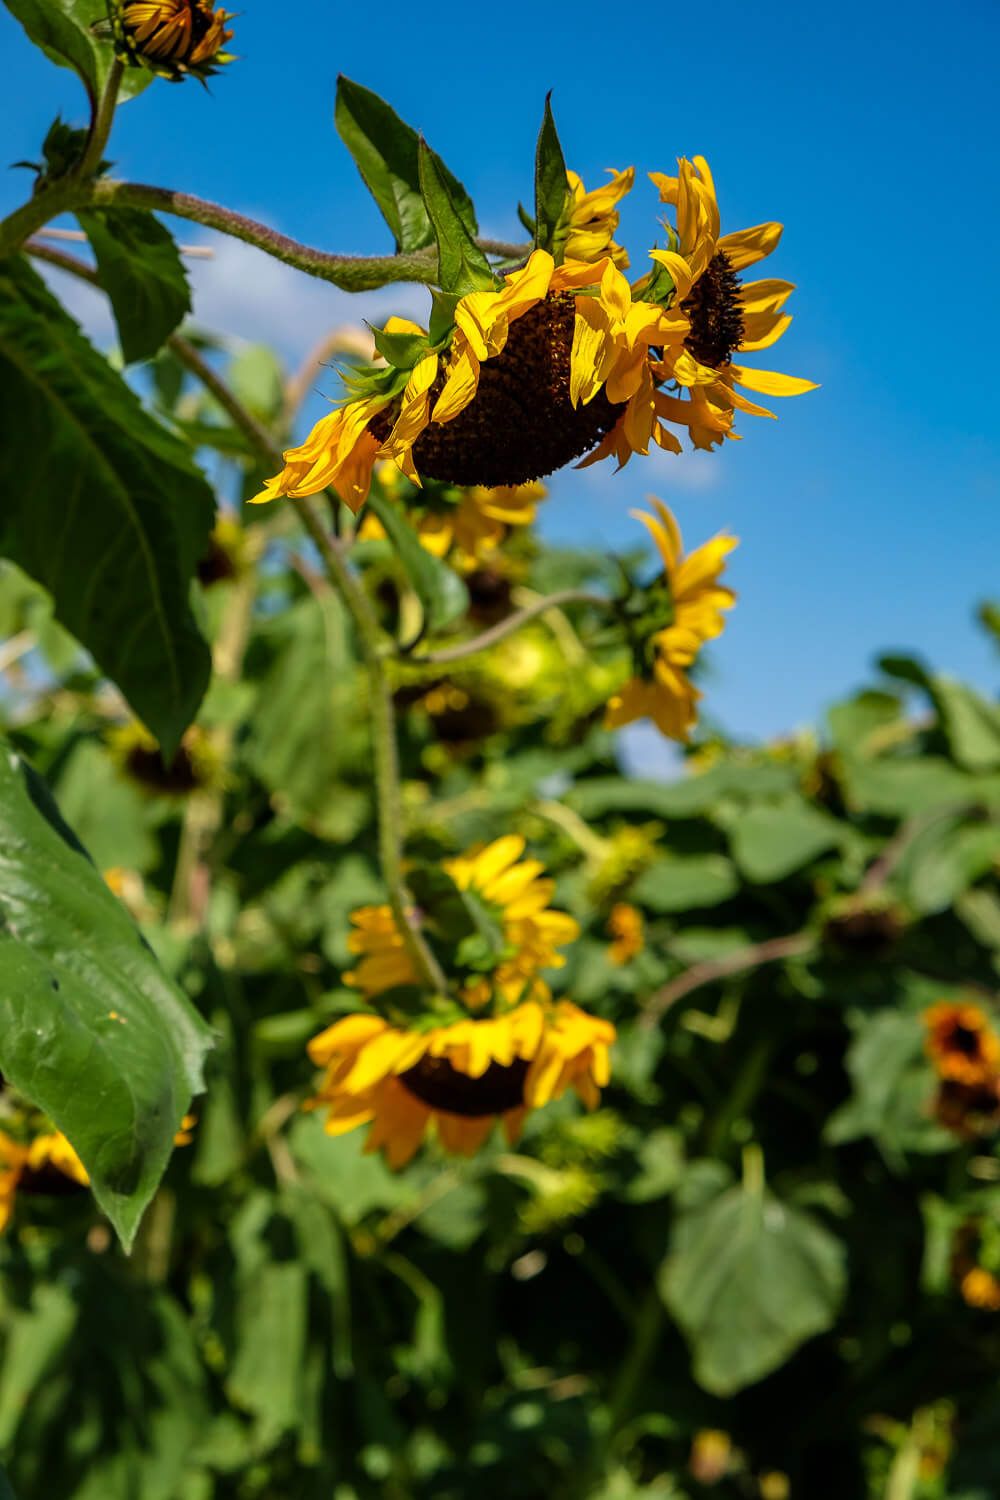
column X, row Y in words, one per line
column 525, row 367
column 498, row 1046
column 172, row 37
column 668, row 625
column 962, row 1043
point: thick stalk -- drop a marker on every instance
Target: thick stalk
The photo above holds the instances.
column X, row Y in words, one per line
column 372, row 650
column 100, row 127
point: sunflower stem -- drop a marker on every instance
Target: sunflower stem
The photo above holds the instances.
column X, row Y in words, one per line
column 508, row 626
column 101, row 123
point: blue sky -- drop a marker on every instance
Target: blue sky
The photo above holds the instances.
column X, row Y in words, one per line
column 868, row 513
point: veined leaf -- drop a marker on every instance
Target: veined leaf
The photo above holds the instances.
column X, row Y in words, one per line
column 749, row 1279
column 91, row 1030
column 141, row 270
column 103, row 507
column 386, row 152
column 551, row 186
column 462, row 266
column 62, row 28
column 441, row 592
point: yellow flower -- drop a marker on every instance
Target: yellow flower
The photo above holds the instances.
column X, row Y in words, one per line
column 662, row 690
column 508, row 885
column 476, row 525
column 555, row 362
column 961, row 1043
column 461, row 1078
column 626, row 927
column 726, row 316
column 48, row 1164
column 980, row 1288
column 711, row 1455
column 593, row 218
column 175, row 37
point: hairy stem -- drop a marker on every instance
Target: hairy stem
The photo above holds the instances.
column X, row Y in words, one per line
column 508, row 626
column 100, row 125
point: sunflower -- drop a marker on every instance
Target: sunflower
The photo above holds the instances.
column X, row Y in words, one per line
column 980, row 1288
column 505, row 1047
column 663, row 651
column 48, row 1164
column 461, row 1078
column 513, row 893
column 473, row 521
column 593, row 218
column 962, row 1044
column 626, row 928
column 726, row 316
column 550, row 362
column 173, row 37
column 197, row 763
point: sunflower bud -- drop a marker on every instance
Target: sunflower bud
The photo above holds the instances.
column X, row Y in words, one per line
column 172, row 37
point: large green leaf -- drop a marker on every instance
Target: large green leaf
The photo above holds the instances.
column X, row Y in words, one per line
column 686, row 883
column 62, row 28
column 748, row 1280
column 102, row 506
column 386, row 152
column 688, row 797
column 771, row 842
column 462, row 266
column 441, row 592
column 141, row 270
column 91, row 1030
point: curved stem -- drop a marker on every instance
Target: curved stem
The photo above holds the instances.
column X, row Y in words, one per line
column 794, row 945
column 100, row 127
column 509, row 625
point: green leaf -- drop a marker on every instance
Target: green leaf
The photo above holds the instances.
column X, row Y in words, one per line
column 62, row 28
column 687, row 798
column 462, row 266
column 441, row 592
column 386, row 152
column 104, row 507
column 685, row 883
column 902, row 788
column 856, row 724
column 551, row 187
column 770, row 843
column 35, row 1345
column 266, row 1376
column 971, row 724
column 892, row 1088
column 141, row 270
column 91, row 1030
column 748, row 1280
column 257, row 377
column 6, row 1493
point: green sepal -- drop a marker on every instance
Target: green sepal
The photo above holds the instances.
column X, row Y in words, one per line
column 401, row 350
column 526, row 219
column 442, row 319
column 656, row 286
column 462, row 266
column 386, row 152
column 371, row 380
column 552, row 192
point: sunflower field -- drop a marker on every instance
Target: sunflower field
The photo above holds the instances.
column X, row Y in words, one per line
column 400, row 1099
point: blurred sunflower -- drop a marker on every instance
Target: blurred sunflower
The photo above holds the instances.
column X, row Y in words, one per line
column 196, row 765
column 667, row 641
column 980, row 1288
column 961, row 1043
column 463, row 1078
column 463, row 1072
column 626, row 928
column 173, row 37
column 46, row 1165
column 474, row 521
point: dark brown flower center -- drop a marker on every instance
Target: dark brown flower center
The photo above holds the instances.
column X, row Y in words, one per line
column 716, row 314
column 964, row 1039
column 148, row 767
column 435, row 1082
column 47, row 1181
column 521, row 425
